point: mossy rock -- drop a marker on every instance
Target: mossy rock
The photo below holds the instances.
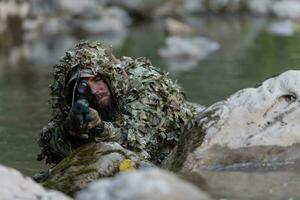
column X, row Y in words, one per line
column 89, row 163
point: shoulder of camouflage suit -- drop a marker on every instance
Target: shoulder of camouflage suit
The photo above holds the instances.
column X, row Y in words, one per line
column 156, row 109
column 153, row 107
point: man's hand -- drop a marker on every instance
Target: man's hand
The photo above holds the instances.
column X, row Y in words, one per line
column 82, row 119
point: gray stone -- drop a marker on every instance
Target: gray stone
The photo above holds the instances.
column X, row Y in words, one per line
column 14, row 186
column 90, row 163
column 142, row 185
column 256, row 126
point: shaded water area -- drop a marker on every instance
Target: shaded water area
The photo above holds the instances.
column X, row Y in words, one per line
column 248, row 54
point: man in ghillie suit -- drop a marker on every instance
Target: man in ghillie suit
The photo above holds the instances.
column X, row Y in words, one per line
column 96, row 97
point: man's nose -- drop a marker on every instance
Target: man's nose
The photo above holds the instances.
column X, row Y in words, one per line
column 97, row 91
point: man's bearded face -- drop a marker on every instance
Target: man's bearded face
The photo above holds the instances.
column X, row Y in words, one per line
column 102, row 98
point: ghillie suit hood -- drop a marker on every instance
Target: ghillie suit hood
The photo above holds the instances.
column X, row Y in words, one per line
column 86, row 60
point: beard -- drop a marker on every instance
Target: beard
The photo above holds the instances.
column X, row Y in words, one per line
column 106, row 111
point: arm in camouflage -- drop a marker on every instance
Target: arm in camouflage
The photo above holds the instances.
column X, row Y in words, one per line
column 155, row 110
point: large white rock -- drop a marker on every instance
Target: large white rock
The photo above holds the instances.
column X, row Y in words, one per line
column 254, row 125
column 267, row 115
column 14, row 186
column 142, row 185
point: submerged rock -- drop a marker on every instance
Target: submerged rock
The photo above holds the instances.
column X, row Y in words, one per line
column 194, row 47
column 184, row 53
column 89, row 163
column 14, row 186
column 255, row 125
column 142, row 185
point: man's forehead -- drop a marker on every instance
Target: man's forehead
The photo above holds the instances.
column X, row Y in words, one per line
column 91, row 78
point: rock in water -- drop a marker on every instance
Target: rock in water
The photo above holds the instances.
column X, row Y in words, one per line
column 255, row 125
column 89, row 163
column 192, row 47
column 142, row 185
column 182, row 53
column 14, row 186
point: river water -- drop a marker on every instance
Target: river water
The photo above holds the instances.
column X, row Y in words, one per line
column 248, row 54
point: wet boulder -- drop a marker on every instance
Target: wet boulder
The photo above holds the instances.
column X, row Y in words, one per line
column 142, row 185
column 255, row 126
column 89, row 163
column 16, row 186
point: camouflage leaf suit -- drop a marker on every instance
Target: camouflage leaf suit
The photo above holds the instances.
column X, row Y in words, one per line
column 152, row 109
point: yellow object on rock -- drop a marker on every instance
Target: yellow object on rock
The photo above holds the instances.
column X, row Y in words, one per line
column 126, row 165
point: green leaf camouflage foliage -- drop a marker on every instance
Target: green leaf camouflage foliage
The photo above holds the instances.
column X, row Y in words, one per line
column 152, row 109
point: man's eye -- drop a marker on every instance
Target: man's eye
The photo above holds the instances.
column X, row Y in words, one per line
column 97, row 79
